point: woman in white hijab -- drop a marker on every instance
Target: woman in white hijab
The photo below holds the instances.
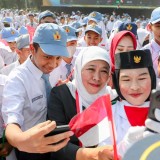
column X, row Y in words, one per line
column 91, row 74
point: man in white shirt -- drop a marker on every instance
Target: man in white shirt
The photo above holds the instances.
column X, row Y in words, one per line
column 64, row 70
column 154, row 45
column 24, row 106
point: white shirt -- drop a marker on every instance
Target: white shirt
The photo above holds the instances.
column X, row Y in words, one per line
column 60, row 72
column 7, row 69
column 155, row 50
column 7, row 55
column 3, row 79
column 24, row 97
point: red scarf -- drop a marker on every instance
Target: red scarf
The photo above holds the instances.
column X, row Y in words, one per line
column 136, row 116
column 115, row 42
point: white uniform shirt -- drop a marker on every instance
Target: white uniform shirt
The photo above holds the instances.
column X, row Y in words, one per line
column 155, row 50
column 3, row 79
column 24, row 97
column 7, row 69
column 7, row 55
column 60, row 73
column 120, row 120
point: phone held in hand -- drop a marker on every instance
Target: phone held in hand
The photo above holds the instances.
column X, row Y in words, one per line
column 58, row 130
column 154, row 103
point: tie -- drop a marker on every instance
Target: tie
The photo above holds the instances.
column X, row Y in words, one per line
column 48, row 87
column 68, row 66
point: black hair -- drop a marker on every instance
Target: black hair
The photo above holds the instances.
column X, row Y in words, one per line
column 36, row 46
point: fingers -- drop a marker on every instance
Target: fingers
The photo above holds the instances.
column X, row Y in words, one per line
column 105, row 155
column 45, row 127
column 60, row 145
column 59, row 137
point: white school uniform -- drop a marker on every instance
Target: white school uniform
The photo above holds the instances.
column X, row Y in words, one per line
column 7, row 69
column 7, row 55
column 155, row 50
column 24, row 97
column 3, row 79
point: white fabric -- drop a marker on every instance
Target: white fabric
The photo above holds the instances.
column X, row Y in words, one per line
column 101, row 131
column 142, row 34
column 121, row 121
column 155, row 50
column 24, row 97
column 3, row 79
column 61, row 71
column 7, row 55
column 7, row 69
column 86, row 55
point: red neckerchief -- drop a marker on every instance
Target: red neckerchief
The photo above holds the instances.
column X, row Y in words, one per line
column 136, row 116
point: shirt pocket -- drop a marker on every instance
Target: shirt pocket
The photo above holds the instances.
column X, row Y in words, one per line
column 39, row 103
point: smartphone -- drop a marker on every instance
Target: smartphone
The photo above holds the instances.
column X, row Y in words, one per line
column 154, row 103
column 58, row 130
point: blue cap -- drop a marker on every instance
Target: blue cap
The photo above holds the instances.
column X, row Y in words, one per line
column 7, row 20
column 155, row 16
column 71, row 33
column 95, row 16
column 23, row 30
column 51, row 39
column 130, row 26
column 23, row 41
column 76, row 25
column 84, row 21
column 94, row 28
column 9, row 34
column 46, row 13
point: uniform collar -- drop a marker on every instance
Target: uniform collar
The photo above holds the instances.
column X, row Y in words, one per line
column 123, row 103
column 155, row 46
column 34, row 70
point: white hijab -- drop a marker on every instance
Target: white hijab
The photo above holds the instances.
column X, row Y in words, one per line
column 86, row 55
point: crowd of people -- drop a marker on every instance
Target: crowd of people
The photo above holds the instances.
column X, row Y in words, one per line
column 55, row 66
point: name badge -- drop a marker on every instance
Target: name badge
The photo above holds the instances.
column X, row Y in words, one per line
column 36, row 98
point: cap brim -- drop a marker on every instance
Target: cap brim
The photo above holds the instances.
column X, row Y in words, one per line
column 54, row 50
column 11, row 39
column 153, row 22
column 93, row 31
column 71, row 38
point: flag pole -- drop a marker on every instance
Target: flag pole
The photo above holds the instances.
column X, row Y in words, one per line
column 110, row 118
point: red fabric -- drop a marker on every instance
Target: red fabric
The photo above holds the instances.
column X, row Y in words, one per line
column 115, row 42
column 31, row 31
column 136, row 116
column 90, row 117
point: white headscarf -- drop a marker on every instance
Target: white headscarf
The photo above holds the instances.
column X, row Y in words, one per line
column 86, row 55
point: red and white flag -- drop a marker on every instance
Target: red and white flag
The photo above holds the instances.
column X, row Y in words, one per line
column 92, row 126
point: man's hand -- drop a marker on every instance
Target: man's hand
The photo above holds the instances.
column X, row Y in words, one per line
column 34, row 140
